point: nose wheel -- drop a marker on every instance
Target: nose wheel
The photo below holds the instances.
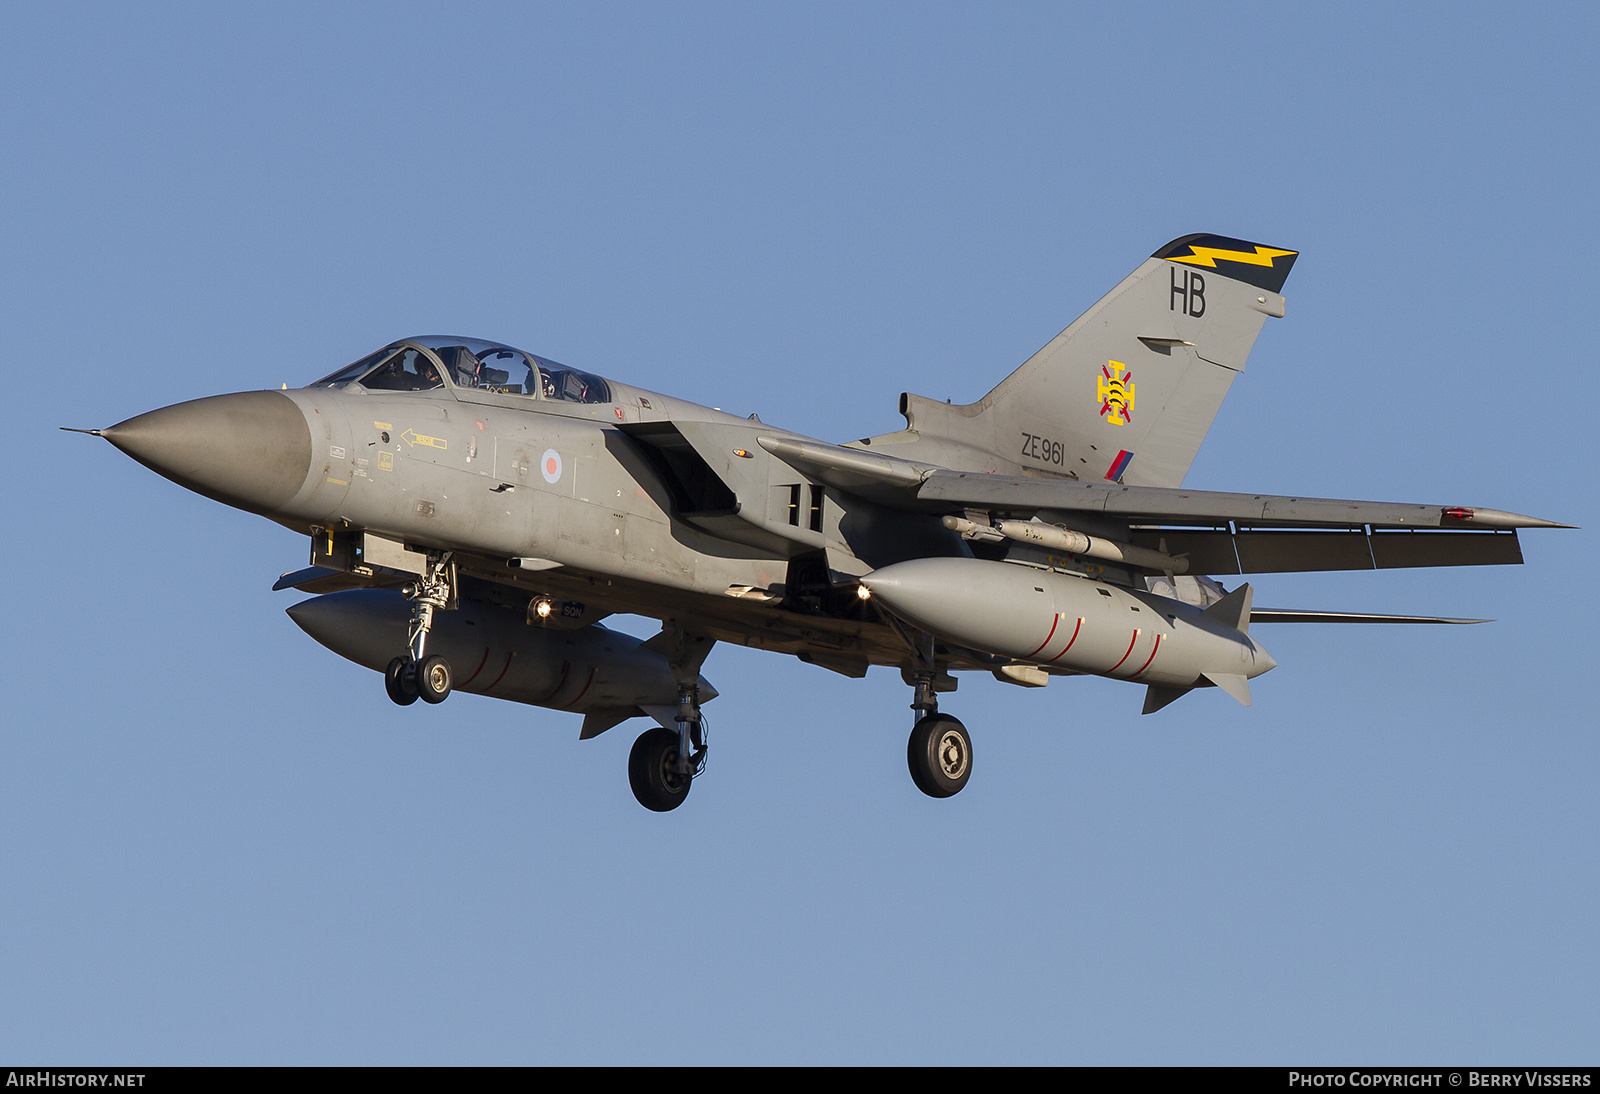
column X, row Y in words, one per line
column 400, row 681
column 434, row 679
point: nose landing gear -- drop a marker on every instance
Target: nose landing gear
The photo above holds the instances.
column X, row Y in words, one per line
column 418, row 675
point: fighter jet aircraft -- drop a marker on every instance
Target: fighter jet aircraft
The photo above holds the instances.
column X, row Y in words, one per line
column 474, row 511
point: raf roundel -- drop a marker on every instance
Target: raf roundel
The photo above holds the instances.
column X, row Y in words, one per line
column 550, row 465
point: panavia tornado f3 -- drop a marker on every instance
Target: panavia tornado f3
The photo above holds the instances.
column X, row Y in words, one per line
column 475, row 510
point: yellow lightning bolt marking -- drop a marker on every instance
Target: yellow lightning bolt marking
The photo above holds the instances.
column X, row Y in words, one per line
column 1207, row 256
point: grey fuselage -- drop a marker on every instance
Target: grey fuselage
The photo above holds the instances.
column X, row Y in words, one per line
column 596, row 514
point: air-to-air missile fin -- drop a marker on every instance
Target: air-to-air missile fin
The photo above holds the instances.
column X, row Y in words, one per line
column 1233, row 610
column 1156, row 697
column 1232, row 683
column 597, row 722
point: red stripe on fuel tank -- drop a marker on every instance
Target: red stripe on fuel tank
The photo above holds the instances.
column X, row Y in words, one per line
column 1152, row 657
column 1070, row 641
column 479, row 669
column 566, row 667
column 585, row 691
column 1053, row 624
column 504, row 669
column 1124, row 657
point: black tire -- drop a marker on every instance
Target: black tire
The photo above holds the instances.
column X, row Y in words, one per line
column 939, row 755
column 395, row 680
column 652, row 771
column 434, row 679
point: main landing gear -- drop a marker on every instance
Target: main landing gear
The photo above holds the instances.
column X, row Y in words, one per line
column 664, row 763
column 418, row 675
column 939, row 752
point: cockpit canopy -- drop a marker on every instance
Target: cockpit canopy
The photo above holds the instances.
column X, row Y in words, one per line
column 419, row 364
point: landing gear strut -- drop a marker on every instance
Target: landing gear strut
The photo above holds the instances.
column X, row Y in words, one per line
column 664, row 763
column 418, row 675
column 939, row 752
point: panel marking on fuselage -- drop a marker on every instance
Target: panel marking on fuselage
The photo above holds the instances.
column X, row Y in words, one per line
column 413, row 439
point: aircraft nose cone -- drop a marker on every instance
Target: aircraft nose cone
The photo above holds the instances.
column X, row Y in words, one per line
column 251, row 450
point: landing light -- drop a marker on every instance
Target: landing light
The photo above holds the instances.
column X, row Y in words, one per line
column 541, row 607
column 863, row 592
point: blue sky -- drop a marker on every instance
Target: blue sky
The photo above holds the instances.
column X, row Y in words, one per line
column 220, row 843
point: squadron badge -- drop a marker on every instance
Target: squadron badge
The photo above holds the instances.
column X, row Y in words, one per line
column 1115, row 390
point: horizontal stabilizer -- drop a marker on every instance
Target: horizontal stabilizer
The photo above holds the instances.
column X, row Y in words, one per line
column 1156, row 697
column 1235, row 685
column 1295, row 615
column 1233, row 610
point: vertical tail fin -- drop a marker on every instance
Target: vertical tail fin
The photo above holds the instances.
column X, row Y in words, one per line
column 1128, row 391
